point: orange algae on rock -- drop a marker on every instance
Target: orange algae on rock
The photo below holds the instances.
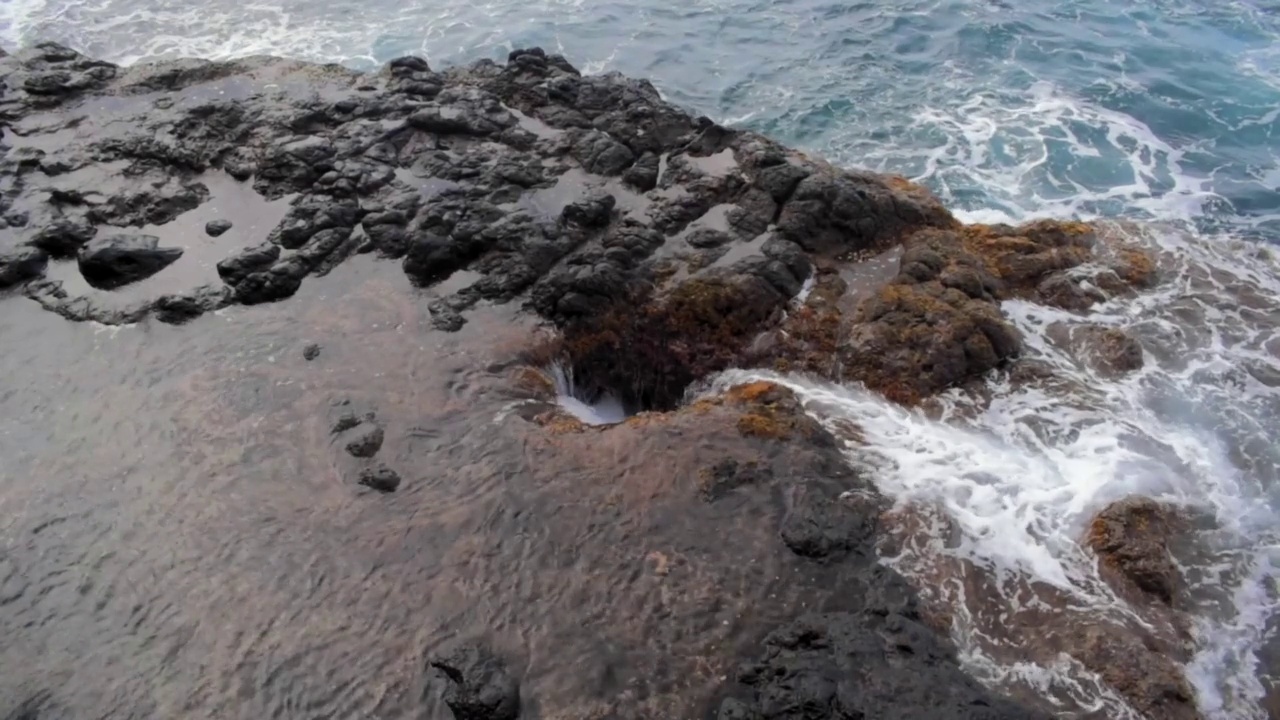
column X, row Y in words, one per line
column 758, row 391
column 534, row 381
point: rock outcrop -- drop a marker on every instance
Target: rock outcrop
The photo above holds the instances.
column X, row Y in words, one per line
column 1131, row 538
column 660, row 247
column 859, row 648
column 475, row 683
column 664, row 246
column 111, row 261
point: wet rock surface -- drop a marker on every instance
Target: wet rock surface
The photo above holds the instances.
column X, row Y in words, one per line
column 881, row 663
column 1131, row 538
column 476, row 683
column 21, row 264
column 215, row 228
column 115, row 260
column 1110, row 351
column 661, row 244
column 555, row 188
column 380, row 478
column 660, row 247
column 364, row 439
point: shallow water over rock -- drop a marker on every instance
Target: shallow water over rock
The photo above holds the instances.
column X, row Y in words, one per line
column 184, row 537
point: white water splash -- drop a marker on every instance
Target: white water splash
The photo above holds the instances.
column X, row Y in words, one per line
column 1022, row 474
column 606, row 409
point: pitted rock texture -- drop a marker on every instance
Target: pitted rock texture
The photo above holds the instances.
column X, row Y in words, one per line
column 661, row 244
column 563, row 191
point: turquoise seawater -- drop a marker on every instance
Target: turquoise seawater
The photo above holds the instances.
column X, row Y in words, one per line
column 1164, row 109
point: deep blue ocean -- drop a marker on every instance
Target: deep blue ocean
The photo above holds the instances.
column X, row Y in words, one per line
column 1165, row 112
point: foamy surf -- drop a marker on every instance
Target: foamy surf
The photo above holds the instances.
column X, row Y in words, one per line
column 1018, row 472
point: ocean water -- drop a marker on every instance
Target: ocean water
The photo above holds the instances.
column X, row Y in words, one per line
column 1160, row 111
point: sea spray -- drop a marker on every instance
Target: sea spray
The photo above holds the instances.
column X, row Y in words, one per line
column 1022, row 468
column 603, row 408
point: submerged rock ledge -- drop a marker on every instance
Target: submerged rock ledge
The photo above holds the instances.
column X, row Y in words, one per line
column 660, row 247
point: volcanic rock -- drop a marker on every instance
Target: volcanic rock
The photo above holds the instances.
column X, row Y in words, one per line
column 63, row 238
column 215, row 228
column 476, row 683
column 380, row 478
column 365, row 439
column 20, row 265
column 115, row 260
column 1131, row 538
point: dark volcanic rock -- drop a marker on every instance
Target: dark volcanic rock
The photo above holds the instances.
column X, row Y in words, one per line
column 115, row 260
column 643, row 175
column 601, row 154
column 214, row 228
column 347, row 420
column 591, row 211
column 823, row 527
column 560, row 199
column 237, row 267
column 380, row 478
column 476, row 684
column 869, row 665
column 365, row 440
column 180, row 308
column 726, row 475
column 433, row 257
column 63, row 238
column 20, row 265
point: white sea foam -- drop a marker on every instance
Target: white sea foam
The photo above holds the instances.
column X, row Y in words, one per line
column 1022, row 474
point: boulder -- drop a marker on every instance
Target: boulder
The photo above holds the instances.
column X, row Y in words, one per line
column 475, row 682
column 591, row 211
column 601, row 154
column 183, row 307
column 215, row 228
column 21, row 264
column 63, row 238
column 238, row 266
column 116, row 260
column 1131, row 539
column 1152, row 682
column 380, row 478
column 823, row 527
column 1110, row 351
column 913, row 340
column 365, row 439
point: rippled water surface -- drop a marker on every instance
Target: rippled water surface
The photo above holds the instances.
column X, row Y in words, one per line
column 143, row 452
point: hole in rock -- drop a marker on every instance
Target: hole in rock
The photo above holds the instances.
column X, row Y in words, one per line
column 591, row 404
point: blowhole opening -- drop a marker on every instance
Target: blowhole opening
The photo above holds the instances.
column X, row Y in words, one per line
column 592, row 405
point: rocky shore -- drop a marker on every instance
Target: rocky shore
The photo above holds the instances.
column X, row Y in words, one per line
column 656, row 247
